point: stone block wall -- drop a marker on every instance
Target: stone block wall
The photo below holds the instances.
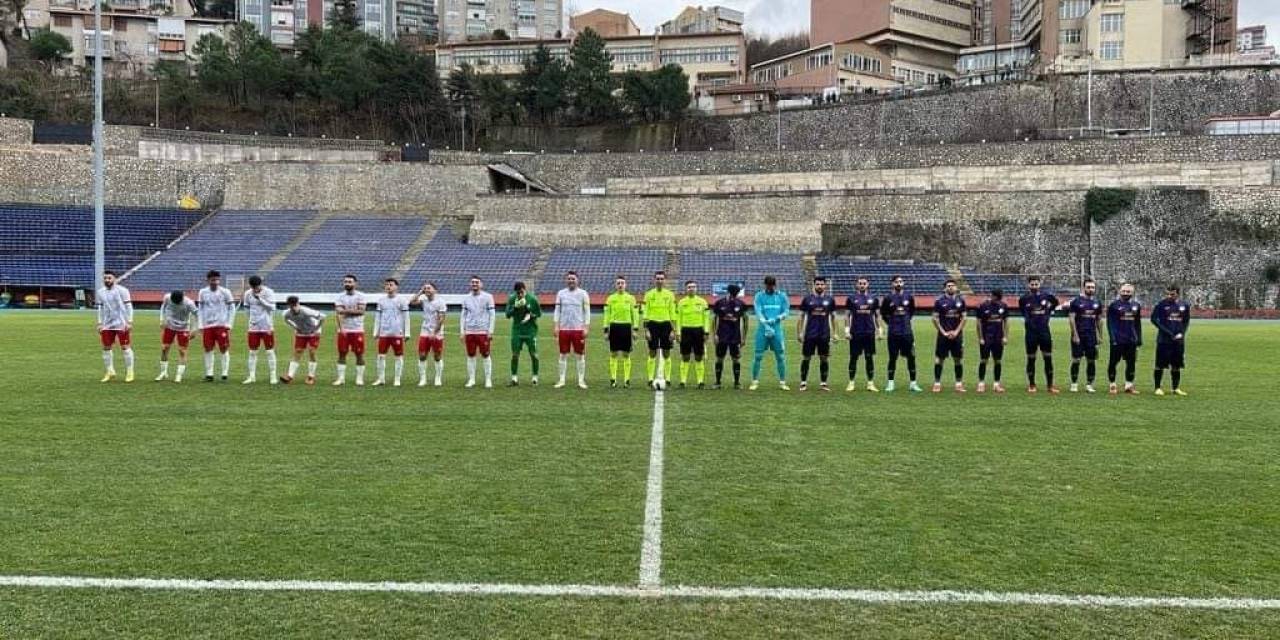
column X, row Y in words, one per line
column 392, row 187
column 66, row 177
column 15, row 132
column 229, row 153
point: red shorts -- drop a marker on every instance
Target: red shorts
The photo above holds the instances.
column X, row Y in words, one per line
column 262, row 339
column 430, row 344
column 575, row 341
column 350, row 341
column 395, row 344
column 217, row 336
column 306, row 342
column 477, row 342
column 169, row 335
column 110, row 336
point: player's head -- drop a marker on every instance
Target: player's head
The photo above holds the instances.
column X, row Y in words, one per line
column 997, row 294
column 349, row 282
column 255, row 282
column 176, row 296
column 770, row 284
column 950, row 287
column 691, row 287
column 659, row 279
column 864, row 285
column 820, row 285
column 429, row 289
column 1090, row 287
column 109, row 278
column 391, row 286
column 1126, row 291
column 292, row 302
column 733, row 290
column 1172, row 292
column 476, row 284
column 571, row 280
column 1033, row 284
column 213, row 278
column 620, row 283
column 519, row 288
column 898, row 283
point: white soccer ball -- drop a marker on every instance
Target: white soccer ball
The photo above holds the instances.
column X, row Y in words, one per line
column 659, row 385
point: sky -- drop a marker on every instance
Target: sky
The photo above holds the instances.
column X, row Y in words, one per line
column 785, row 16
column 769, row 16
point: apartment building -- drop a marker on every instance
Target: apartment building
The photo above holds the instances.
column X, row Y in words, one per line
column 282, row 20
column 704, row 20
column 712, row 59
column 1007, row 41
column 921, row 38
column 826, row 71
column 1251, row 42
column 609, row 24
column 1134, row 34
column 416, row 20
column 462, row 20
column 136, row 34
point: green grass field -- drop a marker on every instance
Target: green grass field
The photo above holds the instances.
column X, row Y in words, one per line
column 1124, row 496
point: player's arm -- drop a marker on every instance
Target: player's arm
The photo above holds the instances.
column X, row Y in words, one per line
column 1072, row 319
column 801, row 320
column 745, row 321
column 586, row 315
column 510, row 310
column 127, row 302
column 875, row 318
column 706, row 318
column 1137, row 325
column 493, row 316
column 1186, row 321
column 937, row 320
column 635, row 315
column 535, row 310
column 964, row 319
column 462, row 321
column 441, row 316
column 404, row 320
column 555, row 316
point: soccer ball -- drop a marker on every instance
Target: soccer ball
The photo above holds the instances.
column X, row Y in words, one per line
column 659, row 385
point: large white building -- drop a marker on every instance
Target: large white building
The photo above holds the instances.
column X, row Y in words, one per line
column 462, row 20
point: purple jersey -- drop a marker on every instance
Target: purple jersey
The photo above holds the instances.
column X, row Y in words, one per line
column 898, row 309
column 1037, row 309
column 950, row 311
column 1171, row 318
column 818, row 310
column 1124, row 322
column 729, row 319
column 992, row 315
column 862, row 313
column 1087, row 311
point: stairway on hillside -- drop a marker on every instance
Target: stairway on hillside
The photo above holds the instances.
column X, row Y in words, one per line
column 672, row 266
column 304, row 233
column 538, row 269
column 411, row 254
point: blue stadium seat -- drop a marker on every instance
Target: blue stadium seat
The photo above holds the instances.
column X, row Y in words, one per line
column 597, row 268
column 450, row 263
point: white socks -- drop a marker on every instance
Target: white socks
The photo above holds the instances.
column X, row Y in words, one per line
column 563, row 366
column 271, row 363
column 182, row 368
column 471, row 370
column 311, row 369
column 582, row 369
column 342, row 373
column 381, row 367
column 488, row 371
column 164, row 368
column 422, row 372
column 109, row 360
column 399, row 369
column 439, row 372
column 359, row 374
column 253, row 365
column 226, row 364
column 208, row 364
column 293, row 368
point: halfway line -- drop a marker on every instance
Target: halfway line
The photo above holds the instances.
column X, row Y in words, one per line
column 867, row 596
column 651, row 548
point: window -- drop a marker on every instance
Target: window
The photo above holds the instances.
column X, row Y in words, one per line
column 818, row 61
column 855, row 62
column 121, row 24
column 1073, row 9
column 1069, row 36
column 62, row 21
column 1112, row 50
column 696, row 55
column 1112, row 22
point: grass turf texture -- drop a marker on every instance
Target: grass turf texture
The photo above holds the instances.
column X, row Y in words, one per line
column 1124, row 496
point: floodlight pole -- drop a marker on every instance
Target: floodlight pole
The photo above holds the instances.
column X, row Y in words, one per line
column 99, row 260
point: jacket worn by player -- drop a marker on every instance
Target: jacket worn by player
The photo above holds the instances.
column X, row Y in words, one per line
column 524, row 312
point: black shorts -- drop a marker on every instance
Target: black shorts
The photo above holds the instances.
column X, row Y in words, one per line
column 621, row 337
column 862, row 345
column 1087, row 349
column 902, row 345
column 732, row 349
column 992, row 349
column 1171, row 354
column 659, row 335
column 693, row 342
column 820, row 346
column 949, row 348
column 1038, row 341
column 1123, row 352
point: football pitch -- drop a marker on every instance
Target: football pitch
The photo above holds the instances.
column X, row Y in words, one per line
column 221, row 510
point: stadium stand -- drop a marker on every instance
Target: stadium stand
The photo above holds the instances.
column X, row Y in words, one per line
column 52, row 245
column 234, row 242
column 450, row 263
column 843, row 274
column 368, row 246
column 597, row 268
column 711, row 268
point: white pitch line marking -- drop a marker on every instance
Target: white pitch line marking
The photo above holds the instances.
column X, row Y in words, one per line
column 866, row 596
column 651, row 548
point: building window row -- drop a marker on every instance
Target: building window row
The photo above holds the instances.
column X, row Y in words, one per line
column 930, row 18
column 1112, row 22
column 1069, row 36
column 956, row 3
column 819, row 60
column 914, row 76
column 1111, row 51
column 695, row 55
column 1073, row 9
column 855, row 62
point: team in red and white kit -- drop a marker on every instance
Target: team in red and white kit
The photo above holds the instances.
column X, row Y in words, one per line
column 392, row 327
column 217, row 316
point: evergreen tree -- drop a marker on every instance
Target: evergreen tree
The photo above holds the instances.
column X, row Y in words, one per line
column 541, row 86
column 590, row 80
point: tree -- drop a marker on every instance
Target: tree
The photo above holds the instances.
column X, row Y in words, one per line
column 501, row 34
column 590, row 79
column 657, row 95
column 244, row 65
column 409, row 93
column 541, row 86
column 343, row 16
column 761, row 48
column 498, row 100
column 49, row 47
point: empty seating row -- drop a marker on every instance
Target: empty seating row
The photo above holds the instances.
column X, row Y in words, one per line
column 711, row 268
column 450, row 263
column 598, row 268
column 365, row 246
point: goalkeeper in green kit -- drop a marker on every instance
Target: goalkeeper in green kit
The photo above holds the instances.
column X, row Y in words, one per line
column 524, row 310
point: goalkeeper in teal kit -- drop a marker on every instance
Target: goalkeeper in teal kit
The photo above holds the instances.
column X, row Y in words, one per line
column 772, row 307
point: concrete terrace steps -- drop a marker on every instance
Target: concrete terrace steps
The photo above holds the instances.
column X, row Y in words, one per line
column 410, row 256
column 809, row 265
column 672, row 267
column 538, row 269
column 304, row 234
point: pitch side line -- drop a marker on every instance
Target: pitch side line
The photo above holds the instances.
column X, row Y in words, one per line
column 651, row 548
column 866, row 596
